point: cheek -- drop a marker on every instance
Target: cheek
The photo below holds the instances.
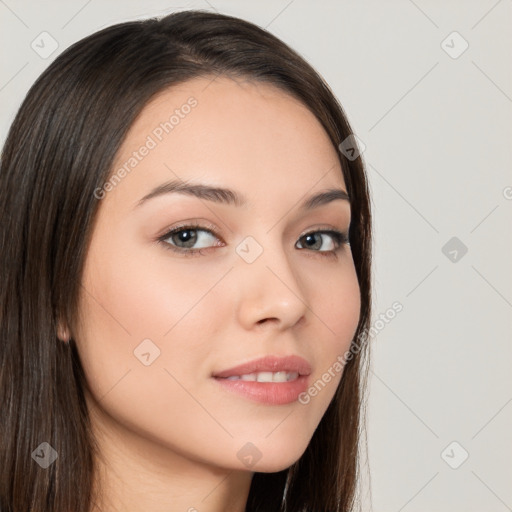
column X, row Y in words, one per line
column 335, row 304
column 142, row 290
column 135, row 303
column 132, row 304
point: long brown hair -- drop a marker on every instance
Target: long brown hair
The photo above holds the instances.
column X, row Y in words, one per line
column 59, row 150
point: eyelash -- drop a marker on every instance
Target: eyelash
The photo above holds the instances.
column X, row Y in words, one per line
column 340, row 239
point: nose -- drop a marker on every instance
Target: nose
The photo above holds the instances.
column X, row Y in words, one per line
column 270, row 292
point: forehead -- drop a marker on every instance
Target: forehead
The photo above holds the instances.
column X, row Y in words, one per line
column 247, row 135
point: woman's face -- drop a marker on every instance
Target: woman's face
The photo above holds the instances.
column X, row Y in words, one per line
column 159, row 328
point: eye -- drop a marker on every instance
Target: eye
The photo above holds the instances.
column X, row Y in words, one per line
column 192, row 239
column 189, row 239
column 317, row 241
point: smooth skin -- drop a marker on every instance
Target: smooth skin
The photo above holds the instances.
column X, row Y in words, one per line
column 169, row 434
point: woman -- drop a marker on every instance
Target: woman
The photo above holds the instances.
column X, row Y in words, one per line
column 186, row 278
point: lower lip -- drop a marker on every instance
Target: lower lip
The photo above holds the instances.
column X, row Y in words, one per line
column 271, row 393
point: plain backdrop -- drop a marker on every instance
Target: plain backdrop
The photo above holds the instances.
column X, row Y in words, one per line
column 427, row 87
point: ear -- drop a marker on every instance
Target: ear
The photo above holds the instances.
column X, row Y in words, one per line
column 63, row 332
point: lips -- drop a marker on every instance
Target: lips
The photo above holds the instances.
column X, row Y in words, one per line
column 288, row 364
column 270, row 380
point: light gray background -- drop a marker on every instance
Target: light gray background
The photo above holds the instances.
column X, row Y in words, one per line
column 437, row 132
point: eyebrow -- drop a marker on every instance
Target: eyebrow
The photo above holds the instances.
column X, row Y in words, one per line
column 230, row 197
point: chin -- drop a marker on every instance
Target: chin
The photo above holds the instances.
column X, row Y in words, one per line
column 277, row 457
column 274, row 465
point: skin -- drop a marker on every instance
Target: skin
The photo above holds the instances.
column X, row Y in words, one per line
column 168, row 434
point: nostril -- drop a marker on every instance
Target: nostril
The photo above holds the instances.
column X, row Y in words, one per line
column 266, row 320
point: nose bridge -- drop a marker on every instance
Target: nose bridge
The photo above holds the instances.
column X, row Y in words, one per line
column 269, row 287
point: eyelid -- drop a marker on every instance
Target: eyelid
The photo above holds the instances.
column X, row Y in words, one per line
column 325, row 229
column 195, row 224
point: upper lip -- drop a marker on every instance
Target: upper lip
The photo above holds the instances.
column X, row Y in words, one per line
column 290, row 363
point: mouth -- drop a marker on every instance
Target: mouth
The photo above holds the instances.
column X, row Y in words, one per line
column 269, row 380
column 265, row 377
